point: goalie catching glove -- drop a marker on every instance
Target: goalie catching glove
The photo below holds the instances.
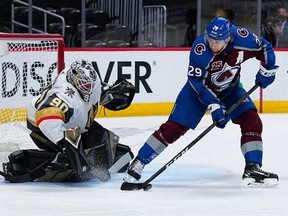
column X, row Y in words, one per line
column 118, row 96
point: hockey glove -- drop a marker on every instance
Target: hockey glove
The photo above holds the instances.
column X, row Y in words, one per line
column 218, row 115
column 265, row 77
column 118, row 96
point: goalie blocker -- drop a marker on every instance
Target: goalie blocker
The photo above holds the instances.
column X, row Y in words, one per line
column 84, row 157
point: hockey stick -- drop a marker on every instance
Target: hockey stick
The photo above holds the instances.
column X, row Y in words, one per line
column 36, row 136
column 119, row 164
column 146, row 185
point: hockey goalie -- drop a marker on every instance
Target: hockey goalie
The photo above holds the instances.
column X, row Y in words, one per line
column 72, row 146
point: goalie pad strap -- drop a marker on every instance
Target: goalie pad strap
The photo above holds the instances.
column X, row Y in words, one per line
column 26, row 165
column 36, row 173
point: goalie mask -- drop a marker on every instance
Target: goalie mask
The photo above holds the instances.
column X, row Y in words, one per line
column 83, row 77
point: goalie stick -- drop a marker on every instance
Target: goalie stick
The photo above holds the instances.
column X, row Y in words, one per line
column 146, row 185
column 125, row 159
column 36, row 136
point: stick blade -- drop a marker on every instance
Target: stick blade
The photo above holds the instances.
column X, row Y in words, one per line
column 131, row 186
column 126, row 186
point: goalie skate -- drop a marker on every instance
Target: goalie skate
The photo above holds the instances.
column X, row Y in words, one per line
column 254, row 176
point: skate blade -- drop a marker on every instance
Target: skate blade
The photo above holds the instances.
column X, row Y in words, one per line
column 251, row 183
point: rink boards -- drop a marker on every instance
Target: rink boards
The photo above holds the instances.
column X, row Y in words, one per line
column 158, row 75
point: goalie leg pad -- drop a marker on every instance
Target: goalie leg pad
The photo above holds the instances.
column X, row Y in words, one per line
column 72, row 144
column 103, row 151
column 101, row 157
column 121, row 150
column 27, row 165
column 100, row 138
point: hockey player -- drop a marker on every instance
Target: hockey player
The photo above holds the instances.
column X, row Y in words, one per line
column 74, row 147
column 214, row 83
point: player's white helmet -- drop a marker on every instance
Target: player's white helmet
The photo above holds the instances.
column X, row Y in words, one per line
column 83, row 77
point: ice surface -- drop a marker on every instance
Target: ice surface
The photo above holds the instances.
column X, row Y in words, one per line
column 205, row 181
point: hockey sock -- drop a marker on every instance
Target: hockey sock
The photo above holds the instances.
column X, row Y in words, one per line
column 150, row 150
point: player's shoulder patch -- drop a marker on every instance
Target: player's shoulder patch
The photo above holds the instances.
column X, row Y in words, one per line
column 70, row 92
column 244, row 37
column 199, row 48
column 200, row 52
column 241, row 32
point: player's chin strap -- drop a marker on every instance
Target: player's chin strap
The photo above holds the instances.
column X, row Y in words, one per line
column 118, row 96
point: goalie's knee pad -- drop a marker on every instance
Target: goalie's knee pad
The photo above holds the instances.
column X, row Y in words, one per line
column 101, row 139
column 103, row 150
column 101, row 153
column 72, row 146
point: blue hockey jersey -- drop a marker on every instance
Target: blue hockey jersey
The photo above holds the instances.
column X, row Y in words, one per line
column 209, row 74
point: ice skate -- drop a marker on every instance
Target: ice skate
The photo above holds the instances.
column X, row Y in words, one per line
column 134, row 171
column 254, row 176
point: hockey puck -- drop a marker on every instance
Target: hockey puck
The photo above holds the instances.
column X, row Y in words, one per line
column 147, row 187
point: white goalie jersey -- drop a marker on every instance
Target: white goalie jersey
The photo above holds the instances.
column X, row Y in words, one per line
column 61, row 107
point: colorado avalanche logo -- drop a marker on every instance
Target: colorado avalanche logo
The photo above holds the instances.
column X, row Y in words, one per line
column 199, row 49
column 243, row 32
column 222, row 79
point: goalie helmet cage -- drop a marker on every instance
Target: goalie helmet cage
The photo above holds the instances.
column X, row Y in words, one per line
column 28, row 63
